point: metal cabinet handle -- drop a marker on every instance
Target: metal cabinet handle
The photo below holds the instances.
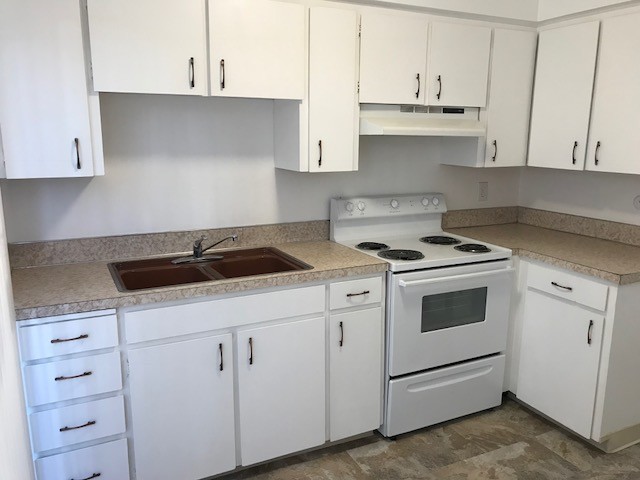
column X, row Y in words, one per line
column 573, row 153
column 221, row 358
column 596, row 154
column 439, row 87
column 76, row 142
column 192, row 73
column 95, row 475
column 320, row 157
column 250, row 351
column 589, row 331
column 85, row 374
column 63, row 340
column 222, row 75
column 568, row 289
column 88, row 424
column 341, row 334
column 418, row 79
column 366, row 292
column 495, row 151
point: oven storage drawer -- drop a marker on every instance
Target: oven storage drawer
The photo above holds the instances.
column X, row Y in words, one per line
column 567, row 285
column 78, row 423
column 105, row 461
column 68, row 379
column 420, row 400
column 64, row 338
column 354, row 293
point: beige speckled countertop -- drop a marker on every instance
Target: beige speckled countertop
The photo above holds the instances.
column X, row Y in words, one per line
column 82, row 287
column 616, row 262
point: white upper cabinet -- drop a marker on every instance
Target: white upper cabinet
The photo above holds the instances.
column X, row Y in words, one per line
column 257, row 49
column 333, row 97
column 562, row 96
column 46, row 112
column 458, row 67
column 393, row 58
column 512, row 64
column 149, row 46
column 614, row 142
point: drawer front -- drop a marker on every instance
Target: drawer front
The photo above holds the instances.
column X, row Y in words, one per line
column 63, row 338
column 158, row 323
column 78, row 423
column 354, row 293
column 570, row 286
column 449, row 393
column 67, row 379
column 108, row 461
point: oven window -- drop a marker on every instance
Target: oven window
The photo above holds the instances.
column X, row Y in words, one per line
column 452, row 309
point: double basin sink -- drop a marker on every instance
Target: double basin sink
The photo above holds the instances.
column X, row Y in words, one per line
column 161, row 272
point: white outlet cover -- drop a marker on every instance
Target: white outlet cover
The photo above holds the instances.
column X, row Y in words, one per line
column 636, row 202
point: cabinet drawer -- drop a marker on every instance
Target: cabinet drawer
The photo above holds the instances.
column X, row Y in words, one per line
column 355, row 293
column 107, row 461
column 157, row 323
column 80, row 377
column 78, row 423
column 63, row 338
column 570, row 286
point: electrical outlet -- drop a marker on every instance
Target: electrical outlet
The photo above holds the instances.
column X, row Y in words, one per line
column 636, row 202
column 483, row 191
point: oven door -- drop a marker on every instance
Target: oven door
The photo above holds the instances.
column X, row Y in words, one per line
column 443, row 316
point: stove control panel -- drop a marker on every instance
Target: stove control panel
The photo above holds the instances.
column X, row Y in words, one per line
column 383, row 206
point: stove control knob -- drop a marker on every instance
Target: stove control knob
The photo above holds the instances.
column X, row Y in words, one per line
column 395, row 204
column 425, row 202
column 361, row 206
column 435, row 201
column 348, row 206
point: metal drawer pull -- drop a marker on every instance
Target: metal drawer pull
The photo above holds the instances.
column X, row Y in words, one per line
column 366, row 292
column 250, row 350
column 573, row 153
column 596, row 154
column 568, row 289
column 418, row 79
column 85, row 374
column 95, row 475
column 192, row 73
column 495, row 151
column 221, row 361
column 222, row 82
column 88, row 424
column 63, row 340
column 320, row 148
column 439, row 87
column 589, row 331
column 76, row 141
column 341, row 334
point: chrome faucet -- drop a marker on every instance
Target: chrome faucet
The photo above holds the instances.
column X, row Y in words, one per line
column 198, row 251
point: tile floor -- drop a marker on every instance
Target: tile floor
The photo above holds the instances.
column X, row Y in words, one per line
column 506, row 443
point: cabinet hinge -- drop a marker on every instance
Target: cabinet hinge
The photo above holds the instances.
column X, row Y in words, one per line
column 359, row 30
column 358, row 87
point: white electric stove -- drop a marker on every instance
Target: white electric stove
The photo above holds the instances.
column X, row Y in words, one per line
column 447, row 307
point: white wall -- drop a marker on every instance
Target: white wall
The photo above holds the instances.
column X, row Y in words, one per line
column 176, row 163
column 606, row 196
column 549, row 9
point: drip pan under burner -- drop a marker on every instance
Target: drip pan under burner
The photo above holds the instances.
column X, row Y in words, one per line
column 372, row 246
column 473, row 248
column 440, row 240
column 401, row 255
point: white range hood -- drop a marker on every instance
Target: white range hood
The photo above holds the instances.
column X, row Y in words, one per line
column 421, row 121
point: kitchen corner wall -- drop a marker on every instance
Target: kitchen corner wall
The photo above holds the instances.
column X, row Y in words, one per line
column 181, row 163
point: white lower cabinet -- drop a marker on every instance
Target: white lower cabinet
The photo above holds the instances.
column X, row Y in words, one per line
column 355, row 366
column 182, row 409
column 281, row 389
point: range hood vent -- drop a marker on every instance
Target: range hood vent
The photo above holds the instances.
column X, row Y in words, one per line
column 421, row 121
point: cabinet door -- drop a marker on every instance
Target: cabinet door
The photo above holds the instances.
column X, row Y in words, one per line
column 559, row 359
column 393, row 58
column 458, row 65
column 182, row 409
column 614, row 142
column 355, row 371
column 44, row 105
column 148, row 46
column 562, row 96
column 333, row 102
column 511, row 87
column 257, row 49
column 281, row 389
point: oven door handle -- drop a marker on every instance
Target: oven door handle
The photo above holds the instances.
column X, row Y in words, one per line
column 465, row 276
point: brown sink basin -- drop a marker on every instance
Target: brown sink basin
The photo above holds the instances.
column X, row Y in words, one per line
column 160, row 272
